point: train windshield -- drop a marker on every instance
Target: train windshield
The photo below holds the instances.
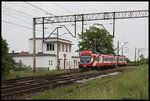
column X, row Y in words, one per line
column 85, row 58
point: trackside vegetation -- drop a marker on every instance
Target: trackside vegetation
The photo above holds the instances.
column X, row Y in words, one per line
column 28, row 73
column 132, row 84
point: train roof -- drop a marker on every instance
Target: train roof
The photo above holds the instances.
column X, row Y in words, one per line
column 107, row 55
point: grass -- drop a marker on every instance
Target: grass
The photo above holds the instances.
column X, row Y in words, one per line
column 29, row 73
column 133, row 84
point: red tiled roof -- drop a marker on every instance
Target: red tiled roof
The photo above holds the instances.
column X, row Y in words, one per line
column 24, row 52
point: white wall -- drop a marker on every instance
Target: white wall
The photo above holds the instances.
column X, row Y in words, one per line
column 38, row 46
column 45, row 61
column 41, row 61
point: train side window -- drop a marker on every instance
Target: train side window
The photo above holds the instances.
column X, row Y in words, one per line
column 104, row 59
column 113, row 59
column 96, row 59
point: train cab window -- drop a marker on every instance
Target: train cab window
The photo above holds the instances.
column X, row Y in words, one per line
column 120, row 59
column 85, row 58
column 99, row 59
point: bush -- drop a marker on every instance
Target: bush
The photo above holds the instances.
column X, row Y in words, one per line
column 7, row 61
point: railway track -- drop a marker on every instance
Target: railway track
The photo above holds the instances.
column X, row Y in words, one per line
column 11, row 89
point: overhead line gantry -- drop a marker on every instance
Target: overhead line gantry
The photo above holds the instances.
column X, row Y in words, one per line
column 87, row 17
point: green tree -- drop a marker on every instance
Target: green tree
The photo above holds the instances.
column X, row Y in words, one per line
column 128, row 60
column 98, row 40
column 6, row 60
column 143, row 59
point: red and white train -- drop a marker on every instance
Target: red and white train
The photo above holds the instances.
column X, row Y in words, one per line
column 89, row 60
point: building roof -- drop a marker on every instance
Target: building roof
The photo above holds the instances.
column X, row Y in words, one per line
column 24, row 52
column 51, row 38
column 28, row 55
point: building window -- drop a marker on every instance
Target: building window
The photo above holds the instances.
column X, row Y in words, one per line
column 51, row 62
column 66, row 48
column 50, row 46
column 63, row 47
column 69, row 48
column 76, row 63
column 47, row 47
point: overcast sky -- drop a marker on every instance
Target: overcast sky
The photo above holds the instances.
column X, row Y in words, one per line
column 17, row 23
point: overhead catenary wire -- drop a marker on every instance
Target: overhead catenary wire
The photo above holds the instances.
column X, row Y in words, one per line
column 19, row 25
column 39, row 8
column 63, row 8
column 24, row 7
column 16, row 24
column 18, row 19
column 8, row 8
column 12, row 13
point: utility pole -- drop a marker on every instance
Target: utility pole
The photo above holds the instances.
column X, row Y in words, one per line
column 75, row 27
column 122, row 47
column 138, row 55
column 43, row 34
column 118, row 54
column 34, row 59
column 82, row 24
column 135, row 56
column 114, row 25
column 58, row 49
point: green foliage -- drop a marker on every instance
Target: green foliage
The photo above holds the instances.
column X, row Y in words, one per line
column 143, row 60
column 98, row 40
column 7, row 61
column 26, row 71
column 20, row 67
column 128, row 60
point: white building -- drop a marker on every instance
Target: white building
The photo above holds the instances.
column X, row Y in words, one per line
column 46, row 54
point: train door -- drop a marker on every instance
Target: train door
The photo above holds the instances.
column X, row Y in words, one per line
column 96, row 60
column 100, row 59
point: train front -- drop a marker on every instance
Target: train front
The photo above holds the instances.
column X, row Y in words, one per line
column 86, row 60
